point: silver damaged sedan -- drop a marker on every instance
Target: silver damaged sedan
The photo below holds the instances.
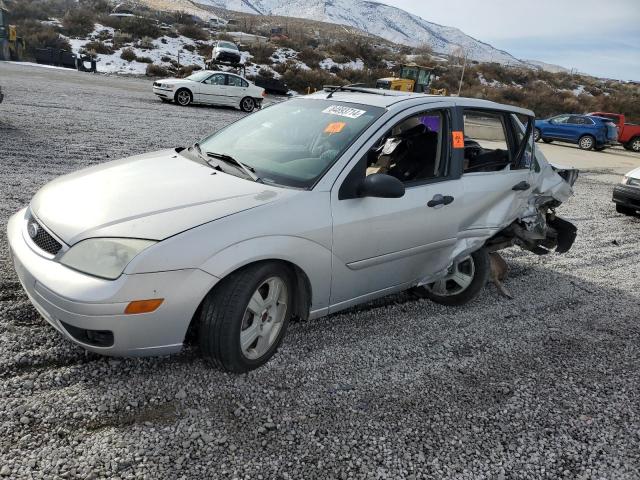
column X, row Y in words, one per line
column 299, row 210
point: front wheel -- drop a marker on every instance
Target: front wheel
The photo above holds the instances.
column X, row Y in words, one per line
column 18, row 53
column 244, row 319
column 183, row 97
column 537, row 135
column 463, row 282
column 625, row 210
column 247, row 104
column 586, row 142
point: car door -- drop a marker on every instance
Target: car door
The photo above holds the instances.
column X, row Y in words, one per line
column 494, row 196
column 558, row 128
column 385, row 244
column 577, row 126
column 235, row 90
column 211, row 90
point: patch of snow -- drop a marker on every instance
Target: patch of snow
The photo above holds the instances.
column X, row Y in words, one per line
column 328, row 64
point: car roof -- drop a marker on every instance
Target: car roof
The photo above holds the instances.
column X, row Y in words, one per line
column 388, row 98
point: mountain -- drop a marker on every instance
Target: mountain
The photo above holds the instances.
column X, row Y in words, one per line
column 547, row 67
column 388, row 22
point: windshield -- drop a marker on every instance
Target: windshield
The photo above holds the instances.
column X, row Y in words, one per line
column 199, row 76
column 227, row 45
column 294, row 142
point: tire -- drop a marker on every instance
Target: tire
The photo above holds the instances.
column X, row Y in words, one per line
column 17, row 54
column 546, row 140
column 183, row 97
column 476, row 267
column 625, row 210
column 227, row 312
column 634, row 144
column 247, row 104
column 537, row 135
column 586, row 142
column 5, row 51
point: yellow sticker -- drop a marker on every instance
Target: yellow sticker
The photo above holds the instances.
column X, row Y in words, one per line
column 335, row 127
column 458, row 139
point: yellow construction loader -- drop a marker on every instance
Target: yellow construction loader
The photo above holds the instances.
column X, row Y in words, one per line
column 11, row 45
column 412, row 78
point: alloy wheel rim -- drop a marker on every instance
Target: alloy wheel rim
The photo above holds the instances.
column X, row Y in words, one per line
column 536, row 135
column 263, row 318
column 635, row 146
column 586, row 142
column 247, row 104
column 457, row 280
column 183, row 98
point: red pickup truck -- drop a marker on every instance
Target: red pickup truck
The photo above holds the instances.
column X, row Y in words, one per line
column 628, row 133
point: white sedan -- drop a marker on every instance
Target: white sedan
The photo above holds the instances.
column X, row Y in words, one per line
column 213, row 88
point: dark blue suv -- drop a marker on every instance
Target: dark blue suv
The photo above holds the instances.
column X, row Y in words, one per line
column 586, row 131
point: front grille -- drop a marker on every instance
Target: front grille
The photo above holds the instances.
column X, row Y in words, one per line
column 42, row 238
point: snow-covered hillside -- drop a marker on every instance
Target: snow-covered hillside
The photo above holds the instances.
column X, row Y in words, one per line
column 388, row 22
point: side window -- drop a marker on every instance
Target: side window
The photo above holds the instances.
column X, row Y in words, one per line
column 576, row 120
column 217, row 79
column 233, row 81
column 560, row 119
column 522, row 127
column 245, row 84
column 413, row 150
column 486, row 141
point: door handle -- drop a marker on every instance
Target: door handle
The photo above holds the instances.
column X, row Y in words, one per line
column 523, row 185
column 439, row 200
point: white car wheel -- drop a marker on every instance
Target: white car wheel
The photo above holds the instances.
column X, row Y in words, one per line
column 247, row 104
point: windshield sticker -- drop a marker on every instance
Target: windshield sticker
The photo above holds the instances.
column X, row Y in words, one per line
column 335, row 127
column 344, row 111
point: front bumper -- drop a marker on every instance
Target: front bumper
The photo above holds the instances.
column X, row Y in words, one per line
column 163, row 92
column 627, row 196
column 75, row 303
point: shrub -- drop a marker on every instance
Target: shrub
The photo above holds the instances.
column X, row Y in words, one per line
column 261, row 52
column 165, row 59
column 140, row 27
column 146, row 43
column 154, row 70
column 264, row 73
column 194, row 32
column 189, row 48
column 311, row 57
column 144, row 59
column 128, row 54
column 98, row 47
column 78, row 22
column 38, row 36
column 301, row 80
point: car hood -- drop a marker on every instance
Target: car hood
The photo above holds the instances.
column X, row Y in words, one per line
column 175, row 81
column 635, row 173
column 152, row 196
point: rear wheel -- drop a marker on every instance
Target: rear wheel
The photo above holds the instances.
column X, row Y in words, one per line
column 463, row 282
column 5, row 52
column 183, row 97
column 244, row 319
column 247, row 104
column 537, row 135
column 634, row 144
column 586, row 142
column 625, row 210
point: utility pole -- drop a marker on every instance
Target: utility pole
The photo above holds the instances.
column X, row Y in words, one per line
column 464, row 65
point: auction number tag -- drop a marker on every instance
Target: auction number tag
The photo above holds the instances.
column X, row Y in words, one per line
column 335, row 127
column 344, row 111
column 458, row 139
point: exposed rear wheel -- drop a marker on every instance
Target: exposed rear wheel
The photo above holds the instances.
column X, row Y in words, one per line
column 463, row 282
column 634, row 144
column 586, row 142
column 247, row 104
column 625, row 210
column 244, row 319
column 183, row 97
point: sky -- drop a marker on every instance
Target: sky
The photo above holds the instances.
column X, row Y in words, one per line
column 598, row 37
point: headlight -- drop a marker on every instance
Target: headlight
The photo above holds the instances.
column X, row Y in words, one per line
column 166, row 85
column 104, row 257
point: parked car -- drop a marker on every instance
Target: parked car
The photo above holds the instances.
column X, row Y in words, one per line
column 628, row 133
column 302, row 209
column 224, row 51
column 213, row 88
column 586, row 131
column 626, row 195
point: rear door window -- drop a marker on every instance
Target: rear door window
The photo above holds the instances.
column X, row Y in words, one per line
column 486, row 144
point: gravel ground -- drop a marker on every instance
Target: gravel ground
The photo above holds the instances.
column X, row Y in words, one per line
column 542, row 386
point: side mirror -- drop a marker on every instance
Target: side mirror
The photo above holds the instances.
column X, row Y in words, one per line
column 381, row 185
